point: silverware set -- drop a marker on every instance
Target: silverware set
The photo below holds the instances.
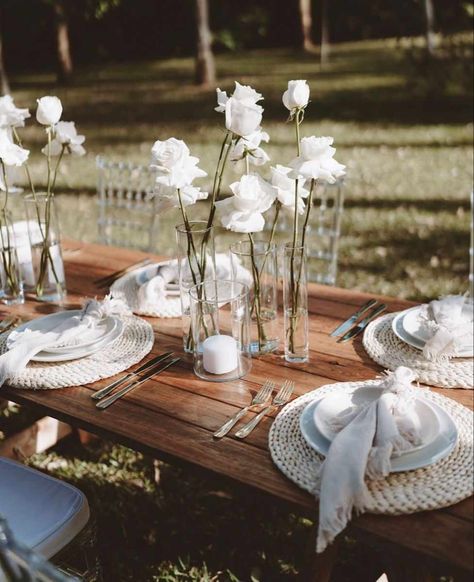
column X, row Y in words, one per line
column 106, row 396
column 109, row 279
column 355, row 324
column 261, row 400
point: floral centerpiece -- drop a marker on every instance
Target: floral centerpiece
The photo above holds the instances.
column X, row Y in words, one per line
column 252, row 196
column 62, row 139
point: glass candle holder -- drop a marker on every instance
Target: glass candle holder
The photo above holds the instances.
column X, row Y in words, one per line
column 11, row 283
column 255, row 264
column 220, row 319
column 196, row 262
column 45, row 241
column 295, row 304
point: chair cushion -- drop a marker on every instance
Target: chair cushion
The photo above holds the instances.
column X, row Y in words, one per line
column 44, row 513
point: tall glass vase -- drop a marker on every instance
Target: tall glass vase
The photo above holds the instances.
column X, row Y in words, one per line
column 45, row 241
column 255, row 264
column 11, row 284
column 196, row 261
column 295, row 304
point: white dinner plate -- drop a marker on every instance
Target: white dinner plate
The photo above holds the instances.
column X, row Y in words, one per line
column 48, row 322
column 76, row 354
column 435, row 451
column 335, row 404
column 405, row 325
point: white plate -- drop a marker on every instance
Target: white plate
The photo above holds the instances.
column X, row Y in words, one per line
column 435, row 451
column 76, row 354
column 48, row 322
column 334, row 404
column 406, row 322
column 147, row 273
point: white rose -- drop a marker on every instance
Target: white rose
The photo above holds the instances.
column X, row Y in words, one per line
column 65, row 135
column 243, row 212
column 10, row 153
column 168, row 153
column 242, row 114
column 10, row 115
column 167, row 196
column 296, row 96
column 285, row 187
column 49, row 110
column 249, row 147
column 316, row 161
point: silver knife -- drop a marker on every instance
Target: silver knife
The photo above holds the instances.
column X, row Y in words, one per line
column 357, row 329
column 129, row 387
column 345, row 325
column 99, row 394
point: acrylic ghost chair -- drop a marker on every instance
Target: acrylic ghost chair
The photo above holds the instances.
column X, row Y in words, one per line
column 49, row 517
column 127, row 215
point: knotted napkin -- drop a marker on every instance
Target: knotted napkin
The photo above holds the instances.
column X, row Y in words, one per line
column 369, row 435
column 161, row 292
column 449, row 322
column 27, row 343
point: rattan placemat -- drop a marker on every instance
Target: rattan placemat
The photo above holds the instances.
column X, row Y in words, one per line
column 444, row 483
column 135, row 342
column 389, row 351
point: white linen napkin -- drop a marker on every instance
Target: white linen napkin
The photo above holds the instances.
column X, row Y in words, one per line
column 368, row 436
column 28, row 343
column 449, row 322
column 162, row 289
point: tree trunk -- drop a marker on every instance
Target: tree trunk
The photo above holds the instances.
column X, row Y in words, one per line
column 65, row 66
column 306, row 25
column 325, row 35
column 4, row 85
column 205, row 67
column 430, row 25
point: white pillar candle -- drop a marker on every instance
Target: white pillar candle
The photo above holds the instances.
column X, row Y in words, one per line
column 219, row 354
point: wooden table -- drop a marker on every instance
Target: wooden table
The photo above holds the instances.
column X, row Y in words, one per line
column 174, row 416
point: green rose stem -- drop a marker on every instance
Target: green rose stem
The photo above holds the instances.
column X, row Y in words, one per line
column 7, row 257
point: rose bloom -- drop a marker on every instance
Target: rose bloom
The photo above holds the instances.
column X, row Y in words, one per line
column 49, row 110
column 316, row 161
column 10, row 153
column 10, row 115
column 296, row 96
column 167, row 196
column 174, row 165
column 242, row 114
column 65, row 135
column 249, row 147
column 168, row 153
column 243, row 212
column 285, row 187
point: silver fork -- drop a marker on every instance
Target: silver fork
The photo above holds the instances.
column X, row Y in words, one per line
column 258, row 400
column 280, row 399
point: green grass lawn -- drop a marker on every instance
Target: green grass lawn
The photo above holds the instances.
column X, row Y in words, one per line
column 406, row 233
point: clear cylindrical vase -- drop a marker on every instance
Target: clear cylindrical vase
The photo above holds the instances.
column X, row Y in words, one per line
column 45, row 241
column 295, row 304
column 11, row 284
column 255, row 264
column 220, row 317
column 196, row 261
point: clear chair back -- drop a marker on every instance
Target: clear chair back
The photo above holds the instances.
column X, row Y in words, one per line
column 20, row 564
column 127, row 216
column 324, row 232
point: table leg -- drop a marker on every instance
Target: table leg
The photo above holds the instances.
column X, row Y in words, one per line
column 318, row 567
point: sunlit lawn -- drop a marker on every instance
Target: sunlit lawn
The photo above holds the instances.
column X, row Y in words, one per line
column 406, row 233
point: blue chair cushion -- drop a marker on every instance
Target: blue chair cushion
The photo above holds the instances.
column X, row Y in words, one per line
column 44, row 513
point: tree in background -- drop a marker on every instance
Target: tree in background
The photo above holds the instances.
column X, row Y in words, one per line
column 4, row 85
column 430, row 26
column 306, row 21
column 63, row 46
column 325, row 34
column 205, row 66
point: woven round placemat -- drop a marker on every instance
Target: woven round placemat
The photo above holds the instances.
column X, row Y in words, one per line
column 444, row 483
column 127, row 288
column 135, row 342
column 389, row 351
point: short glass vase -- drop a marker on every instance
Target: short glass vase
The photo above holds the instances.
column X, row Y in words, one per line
column 11, row 284
column 220, row 321
column 295, row 304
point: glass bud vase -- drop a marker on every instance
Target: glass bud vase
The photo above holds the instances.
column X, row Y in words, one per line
column 295, row 304
column 45, row 241
column 196, row 262
column 11, row 284
column 255, row 264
